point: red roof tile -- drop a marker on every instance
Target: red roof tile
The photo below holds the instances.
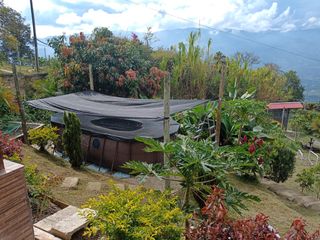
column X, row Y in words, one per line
column 285, row 105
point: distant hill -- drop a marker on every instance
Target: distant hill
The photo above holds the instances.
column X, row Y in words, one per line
column 304, row 42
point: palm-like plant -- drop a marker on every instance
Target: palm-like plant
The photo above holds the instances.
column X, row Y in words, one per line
column 196, row 165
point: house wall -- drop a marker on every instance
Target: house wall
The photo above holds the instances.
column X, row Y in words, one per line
column 15, row 212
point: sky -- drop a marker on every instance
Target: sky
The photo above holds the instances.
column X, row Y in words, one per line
column 55, row 17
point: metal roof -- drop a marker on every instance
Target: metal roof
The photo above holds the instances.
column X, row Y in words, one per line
column 285, row 105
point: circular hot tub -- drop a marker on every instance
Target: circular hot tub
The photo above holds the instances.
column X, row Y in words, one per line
column 118, row 124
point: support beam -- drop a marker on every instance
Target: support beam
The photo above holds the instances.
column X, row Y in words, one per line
column 166, row 122
column 91, row 77
column 21, row 108
column 218, row 120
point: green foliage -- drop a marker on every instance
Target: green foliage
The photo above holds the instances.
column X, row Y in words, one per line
column 309, row 179
column 294, row 86
column 121, row 66
column 37, row 187
column 307, row 121
column 196, row 122
column 14, row 34
column 281, row 160
column 41, row 136
column 71, row 139
column 306, row 179
column 135, row 214
column 245, row 114
column 196, row 165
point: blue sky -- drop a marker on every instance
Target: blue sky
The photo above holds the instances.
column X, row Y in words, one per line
column 55, row 17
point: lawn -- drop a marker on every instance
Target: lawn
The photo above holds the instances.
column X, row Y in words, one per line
column 280, row 211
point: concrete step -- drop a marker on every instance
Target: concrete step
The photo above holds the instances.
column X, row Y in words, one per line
column 64, row 223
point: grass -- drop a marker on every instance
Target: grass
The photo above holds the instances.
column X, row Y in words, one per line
column 280, row 211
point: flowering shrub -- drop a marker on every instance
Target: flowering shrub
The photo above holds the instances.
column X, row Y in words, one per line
column 11, row 149
column 251, row 153
column 216, row 224
column 121, row 67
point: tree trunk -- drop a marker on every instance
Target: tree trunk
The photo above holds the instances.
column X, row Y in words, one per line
column 21, row 109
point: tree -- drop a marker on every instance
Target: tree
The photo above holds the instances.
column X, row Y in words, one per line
column 71, row 139
column 294, row 86
column 13, row 30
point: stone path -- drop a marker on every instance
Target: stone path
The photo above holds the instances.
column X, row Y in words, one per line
column 70, row 182
column 61, row 225
column 293, row 195
column 94, row 186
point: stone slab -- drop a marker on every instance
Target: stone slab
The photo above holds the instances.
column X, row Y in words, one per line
column 315, row 206
column 94, row 186
column 70, row 182
column 42, row 235
column 69, row 225
column 288, row 194
column 305, row 200
column 47, row 223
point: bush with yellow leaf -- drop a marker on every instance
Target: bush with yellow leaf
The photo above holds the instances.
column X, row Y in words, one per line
column 41, row 136
column 135, row 214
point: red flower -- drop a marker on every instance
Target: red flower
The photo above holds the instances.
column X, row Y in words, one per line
column 260, row 160
column 244, row 139
column 252, row 148
column 260, row 142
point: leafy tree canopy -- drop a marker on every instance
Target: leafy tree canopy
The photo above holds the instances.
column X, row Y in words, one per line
column 14, row 34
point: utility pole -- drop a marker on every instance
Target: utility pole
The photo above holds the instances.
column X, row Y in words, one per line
column 34, row 37
column 166, row 122
column 21, row 109
column 221, row 92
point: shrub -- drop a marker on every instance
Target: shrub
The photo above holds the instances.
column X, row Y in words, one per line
column 309, row 179
column 281, row 160
column 217, row 225
column 71, row 139
column 41, row 136
column 135, row 214
column 11, row 148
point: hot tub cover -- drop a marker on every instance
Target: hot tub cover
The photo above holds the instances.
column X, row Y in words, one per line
column 96, row 104
column 150, row 128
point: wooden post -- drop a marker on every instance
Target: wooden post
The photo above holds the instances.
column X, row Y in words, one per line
column 166, row 122
column 282, row 118
column 21, row 109
column 91, row 77
column 1, row 160
column 218, row 120
column 34, row 37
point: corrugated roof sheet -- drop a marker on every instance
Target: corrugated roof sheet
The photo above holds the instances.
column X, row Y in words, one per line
column 285, row 105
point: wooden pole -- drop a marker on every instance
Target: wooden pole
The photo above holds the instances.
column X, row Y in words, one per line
column 21, row 109
column 166, row 122
column 218, row 120
column 1, row 160
column 34, row 37
column 91, row 77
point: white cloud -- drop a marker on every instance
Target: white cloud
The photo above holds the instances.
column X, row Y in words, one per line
column 68, row 19
column 248, row 15
column 39, row 6
column 312, row 22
